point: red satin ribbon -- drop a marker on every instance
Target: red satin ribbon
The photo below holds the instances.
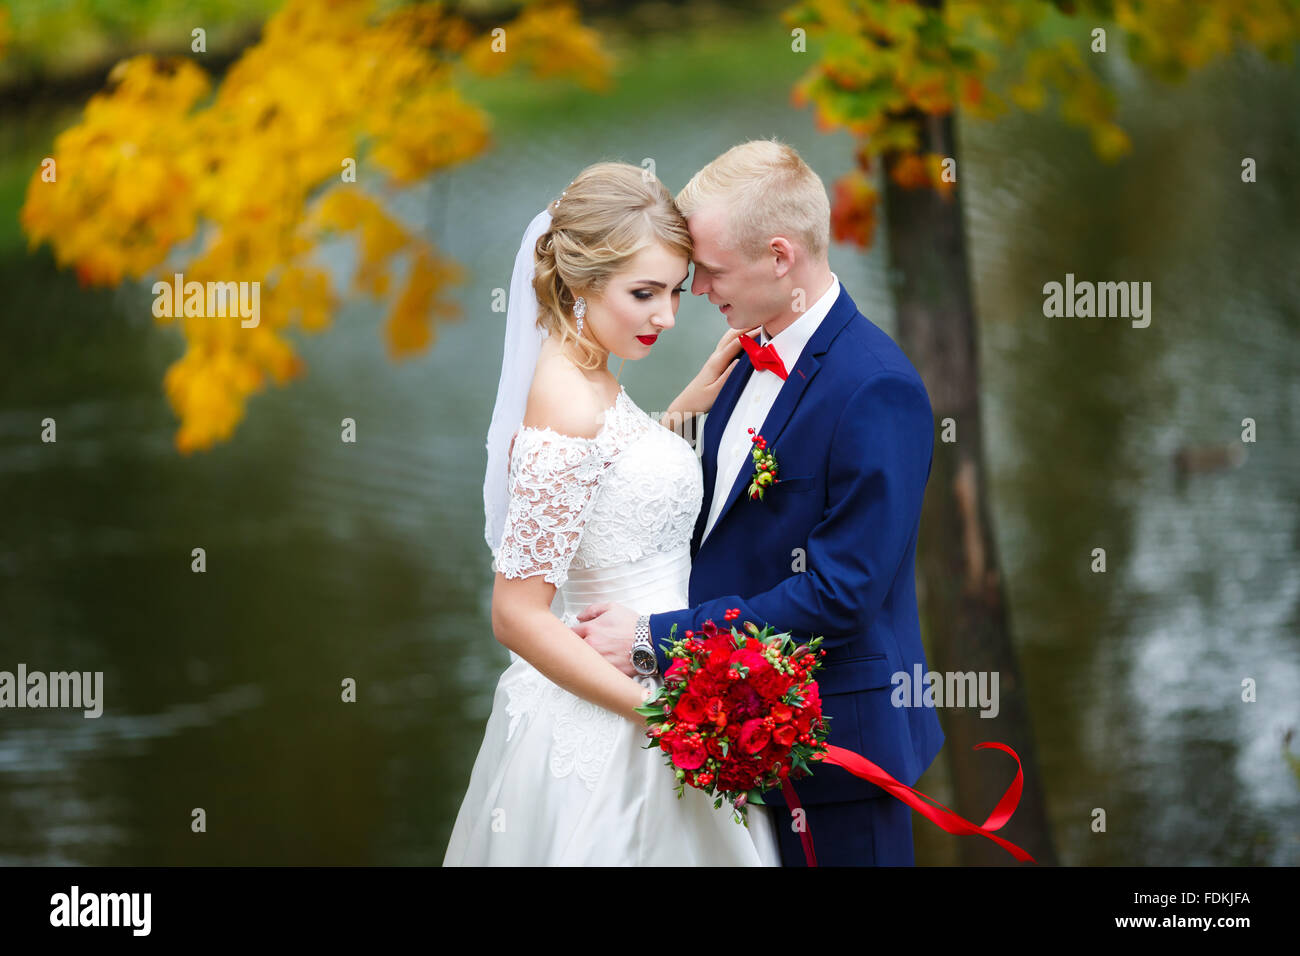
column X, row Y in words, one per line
column 804, row 836
column 763, row 356
column 937, row 814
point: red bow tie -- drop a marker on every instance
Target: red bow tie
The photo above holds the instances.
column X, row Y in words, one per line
column 763, row 356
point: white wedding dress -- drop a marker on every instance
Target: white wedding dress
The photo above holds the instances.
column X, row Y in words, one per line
column 558, row 780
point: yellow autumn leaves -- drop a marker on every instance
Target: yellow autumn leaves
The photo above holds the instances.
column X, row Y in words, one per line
column 1173, row 36
column 888, row 63
column 549, row 41
column 166, row 175
column 120, row 191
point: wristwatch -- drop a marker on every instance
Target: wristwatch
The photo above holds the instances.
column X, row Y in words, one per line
column 643, row 652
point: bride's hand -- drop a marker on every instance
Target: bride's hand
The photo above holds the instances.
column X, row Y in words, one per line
column 701, row 393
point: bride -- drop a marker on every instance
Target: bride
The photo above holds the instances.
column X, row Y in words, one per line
column 589, row 499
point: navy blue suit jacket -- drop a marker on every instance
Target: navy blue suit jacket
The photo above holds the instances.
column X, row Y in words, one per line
column 853, row 434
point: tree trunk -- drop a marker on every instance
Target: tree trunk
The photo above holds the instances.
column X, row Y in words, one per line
column 963, row 599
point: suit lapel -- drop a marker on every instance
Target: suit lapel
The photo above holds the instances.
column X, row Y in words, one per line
column 786, row 400
column 717, row 421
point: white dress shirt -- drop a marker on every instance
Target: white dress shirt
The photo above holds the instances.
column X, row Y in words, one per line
column 757, row 398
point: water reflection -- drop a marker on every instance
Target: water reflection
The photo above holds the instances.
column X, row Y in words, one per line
column 1135, row 675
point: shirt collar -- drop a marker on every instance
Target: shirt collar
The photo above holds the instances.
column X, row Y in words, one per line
column 789, row 342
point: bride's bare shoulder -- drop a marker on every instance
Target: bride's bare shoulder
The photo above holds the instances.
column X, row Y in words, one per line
column 564, row 400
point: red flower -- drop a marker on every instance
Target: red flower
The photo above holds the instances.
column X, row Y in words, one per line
column 785, row 735
column 705, row 686
column 744, row 702
column 690, row 708
column 811, row 698
column 689, row 754
column 768, row 681
column 677, row 670
column 719, row 658
column 753, row 737
column 751, row 659
column 803, row 720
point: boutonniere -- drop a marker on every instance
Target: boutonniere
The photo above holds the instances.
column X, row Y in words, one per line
column 764, row 467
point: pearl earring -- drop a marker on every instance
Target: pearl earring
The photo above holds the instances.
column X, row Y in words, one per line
column 579, row 310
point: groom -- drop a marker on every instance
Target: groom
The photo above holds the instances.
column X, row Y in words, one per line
column 830, row 548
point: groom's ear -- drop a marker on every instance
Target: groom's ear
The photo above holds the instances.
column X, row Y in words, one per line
column 783, row 255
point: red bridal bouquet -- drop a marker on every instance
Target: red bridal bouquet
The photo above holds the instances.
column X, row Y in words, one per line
column 738, row 712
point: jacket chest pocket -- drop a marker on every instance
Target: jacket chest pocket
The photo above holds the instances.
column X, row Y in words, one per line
column 792, row 485
column 855, row 675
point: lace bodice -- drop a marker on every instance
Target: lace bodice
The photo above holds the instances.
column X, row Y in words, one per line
column 607, row 518
column 632, row 490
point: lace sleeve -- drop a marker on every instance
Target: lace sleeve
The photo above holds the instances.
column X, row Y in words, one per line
column 553, row 480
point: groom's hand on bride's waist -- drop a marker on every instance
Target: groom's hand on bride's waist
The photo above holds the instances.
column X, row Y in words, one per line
column 610, row 629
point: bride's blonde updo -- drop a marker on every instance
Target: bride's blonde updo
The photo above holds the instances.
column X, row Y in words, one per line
column 608, row 214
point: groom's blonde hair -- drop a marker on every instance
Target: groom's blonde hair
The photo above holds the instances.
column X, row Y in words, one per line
column 767, row 190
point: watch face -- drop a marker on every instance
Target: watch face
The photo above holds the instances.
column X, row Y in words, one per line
column 643, row 660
